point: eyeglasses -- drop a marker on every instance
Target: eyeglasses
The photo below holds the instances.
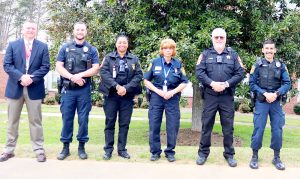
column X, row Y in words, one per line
column 219, row 37
column 167, row 48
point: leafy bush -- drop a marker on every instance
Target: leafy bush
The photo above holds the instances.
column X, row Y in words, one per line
column 236, row 104
column 49, row 100
column 183, row 102
column 297, row 108
column 138, row 101
column 244, row 108
column 57, row 97
column 145, row 104
column 97, row 99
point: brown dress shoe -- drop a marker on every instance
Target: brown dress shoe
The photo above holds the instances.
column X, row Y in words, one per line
column 41, row 157
column 5, row 156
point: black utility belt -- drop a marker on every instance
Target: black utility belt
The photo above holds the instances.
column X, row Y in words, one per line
column 69, row 85
column 261, row 98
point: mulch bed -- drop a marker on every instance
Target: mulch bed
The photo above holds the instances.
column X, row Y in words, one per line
column 187, row 137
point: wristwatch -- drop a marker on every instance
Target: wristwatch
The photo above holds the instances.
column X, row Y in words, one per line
column 277, row 93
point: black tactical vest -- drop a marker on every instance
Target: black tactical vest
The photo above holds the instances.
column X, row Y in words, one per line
column 220, row 67
column 269, row 75
column 122, row 71
column 77, row 59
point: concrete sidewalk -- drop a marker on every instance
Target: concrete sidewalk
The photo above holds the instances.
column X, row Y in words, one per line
column 23, row 168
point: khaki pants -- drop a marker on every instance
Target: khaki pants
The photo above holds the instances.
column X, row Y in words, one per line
column 35, row 122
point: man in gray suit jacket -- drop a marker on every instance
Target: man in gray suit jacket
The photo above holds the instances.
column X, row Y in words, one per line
column 26, row 62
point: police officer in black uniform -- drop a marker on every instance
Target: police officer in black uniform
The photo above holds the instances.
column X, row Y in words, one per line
column 269, row 81
column 76, row 63
column 120, row 82
column 219, row 69
column 166, row 79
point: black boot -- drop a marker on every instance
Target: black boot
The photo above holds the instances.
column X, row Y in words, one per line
column 277, row 162
column 81, row 151
column 254, row 160
column 65, row 152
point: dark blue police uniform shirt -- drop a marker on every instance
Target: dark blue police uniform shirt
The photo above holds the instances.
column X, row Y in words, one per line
column 155, row 73
column 254, row 78
column 93, row 54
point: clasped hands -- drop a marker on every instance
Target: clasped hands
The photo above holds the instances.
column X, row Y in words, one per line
column 26, row 79
column 218, row 86
column 166, row 95
column 121, row 90
column 77, row 79
column 270, row 97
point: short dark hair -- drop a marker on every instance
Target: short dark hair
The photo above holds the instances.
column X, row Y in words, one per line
column 269, row 41
column 80, row 23
column 122, row 34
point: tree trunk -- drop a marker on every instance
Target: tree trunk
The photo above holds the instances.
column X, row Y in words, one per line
column 197, row 108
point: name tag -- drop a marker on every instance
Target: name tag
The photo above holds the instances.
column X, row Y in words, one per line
column 157, row 68
column 165, row 88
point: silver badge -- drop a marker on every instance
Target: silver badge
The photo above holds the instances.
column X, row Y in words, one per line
column 85, row 49
column 67, row 49
column 278, row 64
column 228, row 57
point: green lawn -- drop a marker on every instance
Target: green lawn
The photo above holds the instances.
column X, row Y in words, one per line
column 138, row 137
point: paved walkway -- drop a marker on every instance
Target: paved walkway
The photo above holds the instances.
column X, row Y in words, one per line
column 23, row 168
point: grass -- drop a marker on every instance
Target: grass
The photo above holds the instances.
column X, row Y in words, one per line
column 138, row 138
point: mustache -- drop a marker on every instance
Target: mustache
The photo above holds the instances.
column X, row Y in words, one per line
column 79, row 38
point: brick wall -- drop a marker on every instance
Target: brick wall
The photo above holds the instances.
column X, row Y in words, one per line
column 3, row 78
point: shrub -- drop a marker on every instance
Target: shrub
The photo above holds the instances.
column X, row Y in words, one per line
column 244, row 108
column 236, row 104
column 97, row 99
column 183, row 102
column 297, row 108
column 49, row 100
column 57, row 97
column 145, row 104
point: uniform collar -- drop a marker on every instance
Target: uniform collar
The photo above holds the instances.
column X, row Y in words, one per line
column 269, row 61
column 116, row 55
column 225, row 51
column 165, row 63
column 79, row 46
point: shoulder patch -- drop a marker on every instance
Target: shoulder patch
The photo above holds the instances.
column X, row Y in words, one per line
column 240, row 61
column 252, row 69
column 286, row 69
column 183, row 71
column 149, row 67
column 102, row 62
column 199, row 59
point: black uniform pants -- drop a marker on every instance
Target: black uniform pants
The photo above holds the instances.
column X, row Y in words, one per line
column 225, row 106
column 116, row 105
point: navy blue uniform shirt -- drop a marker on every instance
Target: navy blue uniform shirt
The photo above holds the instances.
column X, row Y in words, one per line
column 155, row 73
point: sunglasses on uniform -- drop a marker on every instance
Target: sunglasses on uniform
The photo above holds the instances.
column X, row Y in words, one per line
column 219, row 37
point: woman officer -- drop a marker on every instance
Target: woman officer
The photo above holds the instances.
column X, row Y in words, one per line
column 120, row 82
column 166, row 79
